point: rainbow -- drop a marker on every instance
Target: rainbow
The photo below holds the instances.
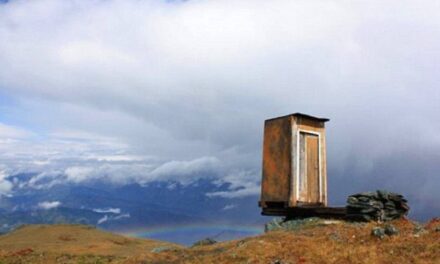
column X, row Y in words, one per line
column 213, row 228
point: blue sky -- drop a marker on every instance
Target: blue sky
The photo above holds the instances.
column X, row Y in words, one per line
column 139, row 91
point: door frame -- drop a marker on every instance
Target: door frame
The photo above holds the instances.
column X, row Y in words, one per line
column 298, row 136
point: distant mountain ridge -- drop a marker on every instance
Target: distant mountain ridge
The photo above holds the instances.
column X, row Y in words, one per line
column 125, row 207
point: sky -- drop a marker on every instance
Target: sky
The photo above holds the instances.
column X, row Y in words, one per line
column 141, row 91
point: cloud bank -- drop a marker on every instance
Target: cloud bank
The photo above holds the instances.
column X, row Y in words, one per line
column 170, row 89
column 47, row 205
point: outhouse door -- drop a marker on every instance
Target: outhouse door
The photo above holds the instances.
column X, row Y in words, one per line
column 309, row 167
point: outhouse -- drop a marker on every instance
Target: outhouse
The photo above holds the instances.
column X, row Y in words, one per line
column 294, row 164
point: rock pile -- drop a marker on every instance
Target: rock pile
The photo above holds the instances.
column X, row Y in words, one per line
column 388, row 230
column 378, row 206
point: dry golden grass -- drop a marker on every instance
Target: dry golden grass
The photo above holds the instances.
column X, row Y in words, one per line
column 62, row 243
column 337, row 242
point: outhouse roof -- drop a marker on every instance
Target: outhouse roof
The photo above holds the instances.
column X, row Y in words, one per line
column 319, row 119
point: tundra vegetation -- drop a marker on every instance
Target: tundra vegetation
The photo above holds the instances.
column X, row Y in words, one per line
column 301, row 241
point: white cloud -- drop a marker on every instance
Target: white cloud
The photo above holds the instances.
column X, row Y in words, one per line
column 86, row 168
column 47, row 205
column 121, row 216
column 144, row 172
column 108, row 210
column 78, row 174
column 239, row 193
column 13, row 132
column 102, row 220
column 241, row 184
column 5, row 185
column 107, row 218
column 229, row 207
column 187, row 171
column 166, row 86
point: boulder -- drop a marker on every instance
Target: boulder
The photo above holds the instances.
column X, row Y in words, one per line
column 378, row 232
column 391, row 230
column 376, row 206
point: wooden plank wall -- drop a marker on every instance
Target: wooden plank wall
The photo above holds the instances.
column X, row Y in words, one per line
column 276, row 160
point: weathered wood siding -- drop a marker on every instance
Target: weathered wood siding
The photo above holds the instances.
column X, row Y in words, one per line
column 276, row 160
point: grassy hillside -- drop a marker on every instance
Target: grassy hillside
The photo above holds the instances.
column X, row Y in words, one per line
column 319, row 242
column 309, row 242
column 70, row 244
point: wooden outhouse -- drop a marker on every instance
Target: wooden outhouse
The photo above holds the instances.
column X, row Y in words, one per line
column 294, row 164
